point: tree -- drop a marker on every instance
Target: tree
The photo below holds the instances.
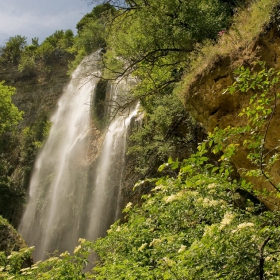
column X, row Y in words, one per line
column 91, row 32
column 9, row 113
column 10, row 198
column 35, row 58
column 11, row 52
column 97, row 13
column 157, row 36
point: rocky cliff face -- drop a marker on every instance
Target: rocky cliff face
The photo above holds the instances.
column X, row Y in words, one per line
column 206, row 100
column 36, row 95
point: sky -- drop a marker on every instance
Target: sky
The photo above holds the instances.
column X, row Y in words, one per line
column 39, row 18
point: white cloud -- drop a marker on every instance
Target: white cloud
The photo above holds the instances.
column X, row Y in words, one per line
column 32, row 19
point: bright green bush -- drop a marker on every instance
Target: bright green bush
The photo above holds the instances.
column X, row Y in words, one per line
column 12, row 50
column 9, row 113
column 165, row 129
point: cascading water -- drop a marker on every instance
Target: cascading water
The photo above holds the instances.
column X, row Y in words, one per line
column 65, row 200
column 106, row 200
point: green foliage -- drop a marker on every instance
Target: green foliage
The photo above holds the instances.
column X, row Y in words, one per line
column 91, row 32
column 11, row 52
column 32, row 140
column 97, row 13
column 10, row 240
column 165, row 127
column 90, row 38
column 9, row 114
column 153, row 39
column 61, row 40
column 260, row 114
column 27, row 63
column 17, row 156
column 63, row 266
column 10, row 196
column 188, row 228
column 12, row 265
column 35, row 58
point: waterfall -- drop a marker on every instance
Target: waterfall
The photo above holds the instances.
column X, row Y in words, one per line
column 106, row 200
column 68, row 197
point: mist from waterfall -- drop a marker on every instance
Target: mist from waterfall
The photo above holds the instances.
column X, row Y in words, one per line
column 68, row 197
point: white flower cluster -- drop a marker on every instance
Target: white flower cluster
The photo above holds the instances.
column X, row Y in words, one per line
column 170, row 198
column 173, row 197
column 142, row 247
column 242, row 226
column 182, row 249
column 128, row 205
column 155, row 242
column 228, row 217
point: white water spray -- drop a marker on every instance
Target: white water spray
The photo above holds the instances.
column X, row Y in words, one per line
column 65, row 201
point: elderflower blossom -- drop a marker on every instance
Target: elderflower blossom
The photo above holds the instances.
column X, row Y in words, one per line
column 63, row 254
column 269, row 258
column 228, row 217
column 182, row 249
column 128, row 205
column 244, row 225
column 253, row 237
column 25, row 269
column 209, row 202
column 77, row 249
column 155, row 242
column 179, row 195
column 170, row 198
column 211, row 186
column 142, row 247
column 82, row 240
column 168, row 261
column 207, row 230
column 159, row 187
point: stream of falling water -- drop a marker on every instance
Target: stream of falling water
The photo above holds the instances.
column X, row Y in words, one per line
column 69, row 199
column 106, row 201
